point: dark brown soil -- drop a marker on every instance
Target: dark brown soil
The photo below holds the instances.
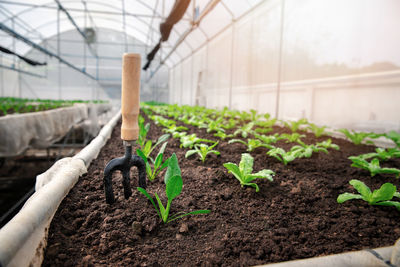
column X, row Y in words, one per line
column 296, row 216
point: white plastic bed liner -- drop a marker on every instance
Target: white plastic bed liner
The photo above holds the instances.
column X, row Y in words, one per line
column 19, row 132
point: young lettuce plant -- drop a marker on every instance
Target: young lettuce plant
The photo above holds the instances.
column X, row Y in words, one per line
column 251, row 143
column 295, row 125
column 293, row 138
column 143, row 130
column 229, row 124
column 173, row 182
column 159, row 165
column 269, row 139
column 214, row 126
column 178, row 134
column 263, row 130
column 173, row 128
column 148, row 147
column 305, row 151
column 382, row 154
column 373, row 167
column 188, row 141
column 283, row 156
column 202, row 150
column 382, row 196
column 358, row 137
column 245, row 130
column 318, row 131
column 266, row 124
column 223, row 135
column 243, row 172
column 327, row 144
column 394, row 136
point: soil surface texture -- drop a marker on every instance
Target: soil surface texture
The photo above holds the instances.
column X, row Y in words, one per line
column 294, row 217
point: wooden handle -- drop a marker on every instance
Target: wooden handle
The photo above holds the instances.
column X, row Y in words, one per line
column 130, row 96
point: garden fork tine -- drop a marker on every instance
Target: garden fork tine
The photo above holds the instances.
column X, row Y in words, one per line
column 129, row 130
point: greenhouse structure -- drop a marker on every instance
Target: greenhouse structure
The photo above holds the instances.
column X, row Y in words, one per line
column 199, row 133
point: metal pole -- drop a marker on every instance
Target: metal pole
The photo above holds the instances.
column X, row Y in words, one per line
column 278, row 82
column 124, row 26
column 19, row 81
column 2, row 77
column 232, row 63
column 181, row 101
column 191, row 82
column 58, row 54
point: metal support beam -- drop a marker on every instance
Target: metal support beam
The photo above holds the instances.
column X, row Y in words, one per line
column 124, row 26
column 41, row 49
column 46, row 6
column 71, row 19
column 278, row 82
column 211, row 4
column 21, row 71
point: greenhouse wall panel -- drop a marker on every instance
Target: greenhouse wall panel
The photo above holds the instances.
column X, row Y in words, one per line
column 199, row 76
column 187, row 74
column 294, row 56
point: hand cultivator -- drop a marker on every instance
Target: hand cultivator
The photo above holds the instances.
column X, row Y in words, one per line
column 129, row 130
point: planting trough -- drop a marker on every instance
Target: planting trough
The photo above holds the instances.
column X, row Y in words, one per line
column 23, row 240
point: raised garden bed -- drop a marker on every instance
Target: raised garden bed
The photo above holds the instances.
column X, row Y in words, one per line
column 296, row 216
column 14, row 105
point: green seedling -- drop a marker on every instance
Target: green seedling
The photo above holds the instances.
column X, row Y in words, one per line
column 251, row 143
column 178, row 134
column 173, row 128
column 254, row 116
column 243, row 172
column 327, row 144
column 263, row 130
column 149, row 147
column 162, row 121
column 214, row 126
column 174, row 183
column 143, row 130
column 283, row 156
column 159, row 165
column 373, row 167
column 394, row 136
column 318, row 131
column 358, row 137
column 245, row 130
column 266, row 124
column 382, row 154
column 202, row 150
column 223, row 135
column 229, row 124
column 293, row 138
column 382, row 196
column 307, row 150
column 269, row 139
column 295, row 125
column 188, row 141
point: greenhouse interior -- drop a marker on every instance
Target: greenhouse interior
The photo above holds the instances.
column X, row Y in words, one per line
column 199, row 133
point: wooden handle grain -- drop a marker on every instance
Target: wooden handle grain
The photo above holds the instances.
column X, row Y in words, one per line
column 130, row 96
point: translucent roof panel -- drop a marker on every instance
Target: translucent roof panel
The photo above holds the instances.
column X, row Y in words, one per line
column 41, row 19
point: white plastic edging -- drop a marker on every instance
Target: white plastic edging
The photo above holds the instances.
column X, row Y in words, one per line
column 380, row 257
column 24, row 238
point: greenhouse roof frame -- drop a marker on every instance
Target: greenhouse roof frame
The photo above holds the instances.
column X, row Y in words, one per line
column 140, row 19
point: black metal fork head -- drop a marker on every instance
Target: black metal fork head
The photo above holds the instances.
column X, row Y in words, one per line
column 124, row 165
